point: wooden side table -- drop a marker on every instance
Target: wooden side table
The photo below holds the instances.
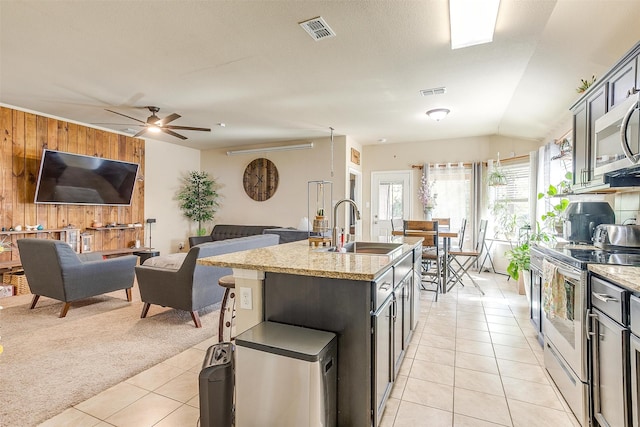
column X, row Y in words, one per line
column 146, row 254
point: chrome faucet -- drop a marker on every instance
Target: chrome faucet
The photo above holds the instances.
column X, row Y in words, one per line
column 334, row 236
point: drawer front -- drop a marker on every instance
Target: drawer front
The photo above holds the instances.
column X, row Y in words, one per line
column 402, row 268
column 609, row 298
column 382, row 288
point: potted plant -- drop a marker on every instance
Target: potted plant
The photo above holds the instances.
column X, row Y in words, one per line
column 198, row 198
column 427, row 197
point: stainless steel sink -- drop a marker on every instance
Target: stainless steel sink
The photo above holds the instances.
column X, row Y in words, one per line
column 371, row 248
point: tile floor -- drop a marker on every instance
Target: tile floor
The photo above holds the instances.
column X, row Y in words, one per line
column 473, row 361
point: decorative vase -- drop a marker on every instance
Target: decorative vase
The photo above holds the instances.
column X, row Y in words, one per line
column 427, row 214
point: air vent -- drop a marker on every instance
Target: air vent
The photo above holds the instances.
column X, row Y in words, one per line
column 433, row 91
column 317, row 28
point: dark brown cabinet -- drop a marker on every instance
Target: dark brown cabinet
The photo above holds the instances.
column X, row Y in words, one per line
column 622, row 83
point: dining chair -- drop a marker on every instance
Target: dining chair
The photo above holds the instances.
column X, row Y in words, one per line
column 460, row 260
column 431, row 254
column 443, row 222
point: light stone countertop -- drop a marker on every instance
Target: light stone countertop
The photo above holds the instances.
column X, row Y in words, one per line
column 304, row 260
column 624, row 275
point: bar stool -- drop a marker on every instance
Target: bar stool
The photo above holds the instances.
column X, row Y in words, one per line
column 229, row 283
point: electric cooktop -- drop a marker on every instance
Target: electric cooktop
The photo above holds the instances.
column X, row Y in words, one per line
column 581, row 255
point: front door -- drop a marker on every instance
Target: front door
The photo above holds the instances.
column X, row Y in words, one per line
column 390, row 201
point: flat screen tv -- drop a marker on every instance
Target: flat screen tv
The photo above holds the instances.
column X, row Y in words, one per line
column 67, row 178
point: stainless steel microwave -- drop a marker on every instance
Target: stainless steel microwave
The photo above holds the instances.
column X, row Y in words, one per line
column 617, row 141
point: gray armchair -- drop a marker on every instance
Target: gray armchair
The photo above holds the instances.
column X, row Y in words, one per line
column 54, row 270
column 179, row 282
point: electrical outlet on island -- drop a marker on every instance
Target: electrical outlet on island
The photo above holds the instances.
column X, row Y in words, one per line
column 246, row 302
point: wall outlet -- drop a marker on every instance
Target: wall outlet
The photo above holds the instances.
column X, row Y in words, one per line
column 180, row 246
column 245, row 299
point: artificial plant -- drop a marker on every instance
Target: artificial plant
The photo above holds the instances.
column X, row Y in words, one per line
column 198, row 198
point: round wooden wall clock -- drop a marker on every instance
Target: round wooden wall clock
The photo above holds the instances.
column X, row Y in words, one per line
column 260, row 179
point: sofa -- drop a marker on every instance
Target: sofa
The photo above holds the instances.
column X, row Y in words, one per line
column 229, row 231
column 178, row 281
column 54, row 270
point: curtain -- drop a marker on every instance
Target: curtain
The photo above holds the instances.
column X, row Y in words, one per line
column 452, row 184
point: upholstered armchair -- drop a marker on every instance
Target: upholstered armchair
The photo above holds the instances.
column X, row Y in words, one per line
column 178, row 281
column 54, row 270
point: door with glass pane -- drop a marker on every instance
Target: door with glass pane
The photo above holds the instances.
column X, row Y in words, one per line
column 390, row 201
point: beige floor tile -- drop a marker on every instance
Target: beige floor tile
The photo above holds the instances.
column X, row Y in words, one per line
column 509, row 340
column 522, row 371
column 398, row 387
column 194, row 401
column 389, row 414
column 111, row 400
column 204, row 345
column 477, row 326
column 405, row 367
column 528, row 415
column 436, row 355
column 415, row 415
column 516, row 354
column 473, row 335
column 71, row 417
column 470, row 317
column 531, row 392
column 470, row 308
column 433, row 372
column 502, row 320
column 441, row 330
column 182, row 388
column 478, row 381
column 187, row 359
column 495, row 302
column 464, row 421
column 155, row 376
column 429, row 340
column 475, row 347
column 483, row 406
column 505, row 329
column 429, row 393
column 477, row 362
column 504, row 311
column 144, row 412
column 181, row 417
column 410, row 352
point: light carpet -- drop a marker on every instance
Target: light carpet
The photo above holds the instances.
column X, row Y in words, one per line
column 50, row 364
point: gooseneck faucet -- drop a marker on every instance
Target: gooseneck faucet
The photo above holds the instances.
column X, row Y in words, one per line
column 334, row 236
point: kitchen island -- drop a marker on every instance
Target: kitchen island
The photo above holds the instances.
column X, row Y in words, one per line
column 370, row 301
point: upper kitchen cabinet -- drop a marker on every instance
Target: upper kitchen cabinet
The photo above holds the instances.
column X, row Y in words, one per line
column 623, row 82
column 585, row 114
column 610, row 90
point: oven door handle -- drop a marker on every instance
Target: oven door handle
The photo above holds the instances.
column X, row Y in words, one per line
column 603, row 297
column 590, row 319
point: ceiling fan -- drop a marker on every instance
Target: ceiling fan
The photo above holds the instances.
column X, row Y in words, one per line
column 156, row 124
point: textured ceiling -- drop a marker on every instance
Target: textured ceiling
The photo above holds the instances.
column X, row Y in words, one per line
column 249, row 64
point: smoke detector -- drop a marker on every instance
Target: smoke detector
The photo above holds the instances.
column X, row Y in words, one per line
column 317, row 28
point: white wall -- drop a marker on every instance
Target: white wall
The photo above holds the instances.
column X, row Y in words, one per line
column 295, row 169
column 165, row 165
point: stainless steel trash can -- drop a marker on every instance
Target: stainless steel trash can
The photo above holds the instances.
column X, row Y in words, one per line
column 215, row 387
column 286, row 376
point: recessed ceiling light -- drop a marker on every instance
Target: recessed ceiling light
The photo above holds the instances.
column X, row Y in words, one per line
column 382, row 140
column 222, row 125
column 438, row 114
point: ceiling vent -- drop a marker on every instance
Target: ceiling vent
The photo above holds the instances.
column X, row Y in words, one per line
column 433, row 91
column 317, row 28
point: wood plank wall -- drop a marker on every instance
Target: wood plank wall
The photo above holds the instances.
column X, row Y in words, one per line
column 24, row 137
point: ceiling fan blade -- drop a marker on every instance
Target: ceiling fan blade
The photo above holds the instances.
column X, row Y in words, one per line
column 172, row 133
column 170, row 118
column 186, row 128
column 124, row 115
column 140, row 133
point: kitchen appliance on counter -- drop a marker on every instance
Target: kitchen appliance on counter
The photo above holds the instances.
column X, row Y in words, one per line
column 564, row 327
column 613, row 236
column 581, row 219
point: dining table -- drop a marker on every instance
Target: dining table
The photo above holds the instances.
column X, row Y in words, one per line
column 446, row 234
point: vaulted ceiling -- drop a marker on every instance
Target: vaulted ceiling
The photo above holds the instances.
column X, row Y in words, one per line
column 249, row 65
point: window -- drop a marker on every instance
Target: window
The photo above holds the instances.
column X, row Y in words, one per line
column 453, row 189
column 390, row 200
column 509, row 204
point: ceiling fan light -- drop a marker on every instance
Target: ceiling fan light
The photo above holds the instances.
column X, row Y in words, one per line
column 438, row 114
column 154, row 129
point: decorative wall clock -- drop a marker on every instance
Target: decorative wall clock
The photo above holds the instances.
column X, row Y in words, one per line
column 260, row 179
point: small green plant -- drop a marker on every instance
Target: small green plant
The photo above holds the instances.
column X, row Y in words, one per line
column 585, row 84
column 519, row 260
column 198, row 198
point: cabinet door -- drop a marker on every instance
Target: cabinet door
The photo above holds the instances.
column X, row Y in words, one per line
column 610, row 374
column 397, row 349
column 635, row 371
column 580, row 145
column 596, row 108
column 382, row 382
column 406, row 310
column 622, row 82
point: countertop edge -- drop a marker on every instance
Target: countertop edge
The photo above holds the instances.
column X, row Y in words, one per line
column 624, row 275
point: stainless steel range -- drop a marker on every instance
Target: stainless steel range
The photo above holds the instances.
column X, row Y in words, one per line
column 563, row 269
